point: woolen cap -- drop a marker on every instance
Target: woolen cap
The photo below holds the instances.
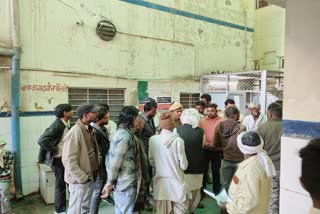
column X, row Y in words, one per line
column 166, row 121
column 176, row 105
column 86, row 108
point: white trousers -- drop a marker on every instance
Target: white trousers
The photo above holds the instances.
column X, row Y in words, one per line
column 80, row 198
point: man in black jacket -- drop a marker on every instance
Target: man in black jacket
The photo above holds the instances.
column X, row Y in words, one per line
column 149, row 129
column 192, row 136
column 51, row 144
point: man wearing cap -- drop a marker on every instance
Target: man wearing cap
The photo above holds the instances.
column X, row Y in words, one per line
column 167, row 155
column 255, row 118
column 176, row 110
column 80, row 157
column 251, row 185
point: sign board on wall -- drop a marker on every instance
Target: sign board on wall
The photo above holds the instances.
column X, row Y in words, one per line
column 142, row 91
column 164, row 103
column 158, row 90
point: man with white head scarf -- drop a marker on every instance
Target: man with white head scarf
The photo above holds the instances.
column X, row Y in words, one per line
column 167, row 156
column 192, row 136
column 251, row 185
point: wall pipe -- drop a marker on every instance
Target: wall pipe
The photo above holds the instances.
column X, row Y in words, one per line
column 244, row 68
column 15, row 95
column 15, row 119
column 15, row 53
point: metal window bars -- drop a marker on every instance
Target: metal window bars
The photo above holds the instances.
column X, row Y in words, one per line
column 253, row 86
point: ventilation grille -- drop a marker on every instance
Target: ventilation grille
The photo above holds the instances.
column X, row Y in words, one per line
column 106, row 30
column 114, row 97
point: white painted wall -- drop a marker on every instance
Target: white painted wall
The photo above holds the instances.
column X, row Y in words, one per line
column 302, row 60
column 301, row 95
column 269, row 37
column 5, row 33
column 150, row 43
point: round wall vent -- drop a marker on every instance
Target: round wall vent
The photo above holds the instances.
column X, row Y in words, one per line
column 106, row 30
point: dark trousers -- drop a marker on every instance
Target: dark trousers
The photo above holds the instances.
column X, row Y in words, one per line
column 213, row 157
column 98, row 186
column 150, row 176
column 60, row 186
column 228, row 169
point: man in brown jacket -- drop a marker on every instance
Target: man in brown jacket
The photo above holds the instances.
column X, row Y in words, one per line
column 80, row 159
column 225, row 137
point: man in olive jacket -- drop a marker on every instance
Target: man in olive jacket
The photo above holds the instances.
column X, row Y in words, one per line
column 271, row 132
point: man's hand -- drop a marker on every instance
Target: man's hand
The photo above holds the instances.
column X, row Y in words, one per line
column 107, row 189
column 211, row 147
column 223, row 206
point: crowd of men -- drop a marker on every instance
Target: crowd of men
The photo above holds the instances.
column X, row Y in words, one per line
column 165, row 167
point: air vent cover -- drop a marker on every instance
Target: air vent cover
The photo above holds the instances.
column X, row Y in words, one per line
column 106, row 30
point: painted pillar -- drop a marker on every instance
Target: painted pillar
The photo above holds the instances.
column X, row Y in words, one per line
column 301, row 99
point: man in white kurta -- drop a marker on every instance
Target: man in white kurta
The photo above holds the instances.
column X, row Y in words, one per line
column 251, row 185
column 255, row 118
column 167, row 155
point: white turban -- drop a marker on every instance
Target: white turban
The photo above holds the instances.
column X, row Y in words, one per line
column 262, row 154
column 190, row 116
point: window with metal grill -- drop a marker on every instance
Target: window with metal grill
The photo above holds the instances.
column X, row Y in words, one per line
column 113, row 97
column 188, row 99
